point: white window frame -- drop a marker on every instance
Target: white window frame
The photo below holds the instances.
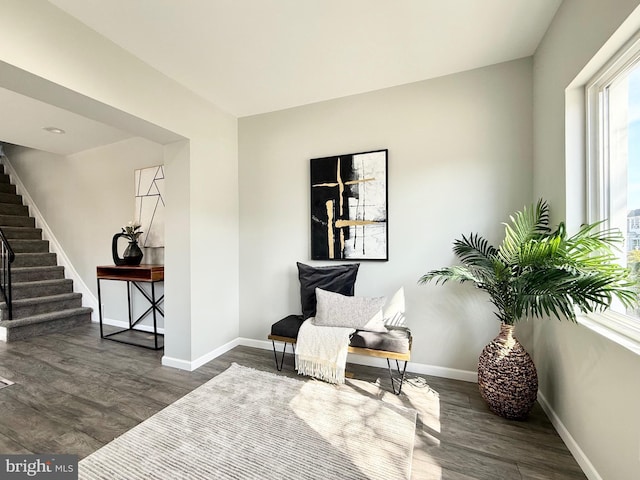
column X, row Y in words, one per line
column 623, row 329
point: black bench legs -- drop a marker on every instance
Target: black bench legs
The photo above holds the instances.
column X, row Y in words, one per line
column 284, row 350
column 397, row 378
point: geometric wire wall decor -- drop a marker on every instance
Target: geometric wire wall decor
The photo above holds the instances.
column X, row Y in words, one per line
column 349, row 207
column 149, row 192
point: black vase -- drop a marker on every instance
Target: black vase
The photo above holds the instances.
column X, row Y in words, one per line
column 132, row 254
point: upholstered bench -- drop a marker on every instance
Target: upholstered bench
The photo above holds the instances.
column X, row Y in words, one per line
column 395, row 344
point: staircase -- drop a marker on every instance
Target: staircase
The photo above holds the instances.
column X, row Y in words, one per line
column 43, row 300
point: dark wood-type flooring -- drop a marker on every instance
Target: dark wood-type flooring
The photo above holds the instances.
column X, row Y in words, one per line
column 74, row 392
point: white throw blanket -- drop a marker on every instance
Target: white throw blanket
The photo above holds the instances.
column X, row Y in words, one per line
column 321, row 352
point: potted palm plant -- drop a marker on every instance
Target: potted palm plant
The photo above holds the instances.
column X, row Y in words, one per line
column 535, row 272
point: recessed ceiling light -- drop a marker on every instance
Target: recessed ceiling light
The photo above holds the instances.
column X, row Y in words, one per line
column 56, row 130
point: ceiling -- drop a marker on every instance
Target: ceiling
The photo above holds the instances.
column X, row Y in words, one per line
column 17, row 126
column 255, row 56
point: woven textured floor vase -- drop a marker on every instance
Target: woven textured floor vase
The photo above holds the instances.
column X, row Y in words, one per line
column 507, row 376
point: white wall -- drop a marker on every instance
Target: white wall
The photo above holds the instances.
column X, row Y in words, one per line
column 46, row 54
column 460, row 153
column 589, row 382
column 85, row 199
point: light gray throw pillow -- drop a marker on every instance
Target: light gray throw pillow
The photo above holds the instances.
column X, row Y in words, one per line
column 361, row 313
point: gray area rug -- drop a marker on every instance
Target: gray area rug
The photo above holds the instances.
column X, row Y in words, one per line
column 248, row 424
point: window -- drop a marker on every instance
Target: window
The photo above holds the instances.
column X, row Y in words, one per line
column 613, row 167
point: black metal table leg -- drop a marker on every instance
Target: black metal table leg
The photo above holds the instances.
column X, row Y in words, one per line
column 153, row 309
column 155, row 322
column 100, row 309
column 129, row 304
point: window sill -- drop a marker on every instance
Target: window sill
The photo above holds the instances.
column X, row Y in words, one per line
column 616, row 327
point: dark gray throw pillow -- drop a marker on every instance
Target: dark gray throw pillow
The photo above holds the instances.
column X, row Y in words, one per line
column 338, row 279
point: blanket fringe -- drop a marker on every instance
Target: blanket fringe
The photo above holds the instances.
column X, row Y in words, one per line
column 328, row 372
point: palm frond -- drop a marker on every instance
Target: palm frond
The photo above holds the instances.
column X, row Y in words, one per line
column 474, row 250
column 459, row 274
column 528, row 224
column 538, row 272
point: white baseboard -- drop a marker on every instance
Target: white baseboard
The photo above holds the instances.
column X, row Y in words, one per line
column 587, row 467
column 123, row 324
column 420, row 368
column 194, row 364
column 177, row 363
column 444, row 372
column 88, row 299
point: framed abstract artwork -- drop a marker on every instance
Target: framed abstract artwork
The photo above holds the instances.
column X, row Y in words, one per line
column 349, row 207
column 149, row 194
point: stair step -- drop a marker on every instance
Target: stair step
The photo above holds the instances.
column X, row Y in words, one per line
column 7, row 188
column 34, row 274
column 28, row 307
column 10, row 198
column 16, row 221
column 43, row 300
column 41, row 288
column 27, row 233
column 34, row 260
column 29, row 246
column 41, row 324
column 13, row 209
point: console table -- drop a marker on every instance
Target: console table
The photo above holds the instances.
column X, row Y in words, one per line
column 134, row 276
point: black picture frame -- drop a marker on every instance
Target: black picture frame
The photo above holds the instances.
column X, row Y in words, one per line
column 349, row 206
